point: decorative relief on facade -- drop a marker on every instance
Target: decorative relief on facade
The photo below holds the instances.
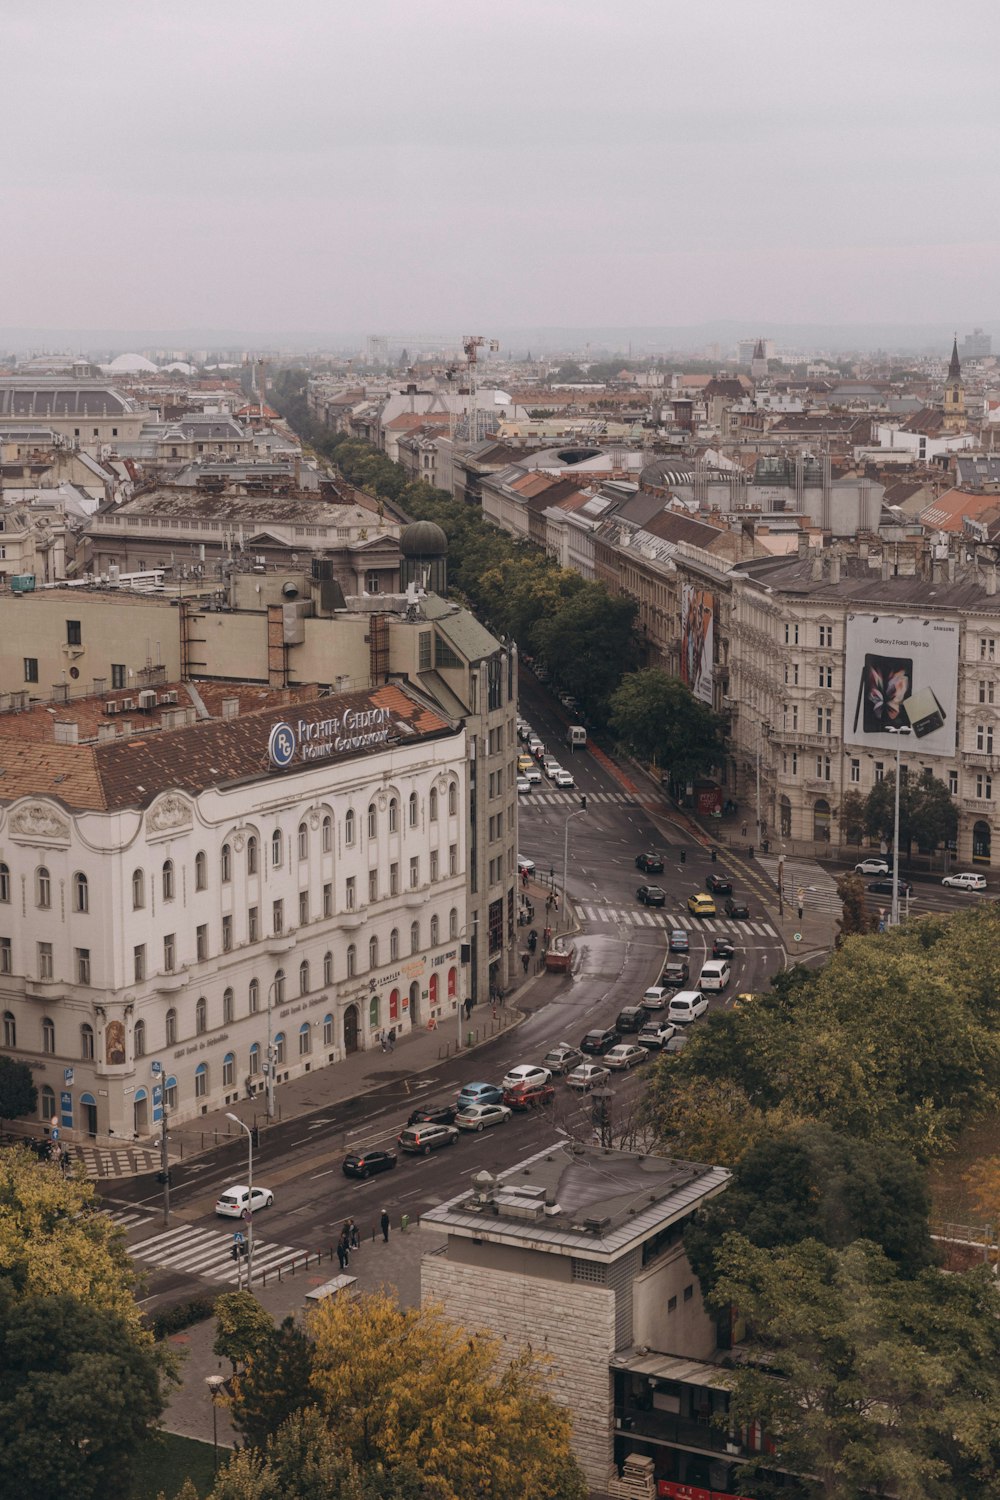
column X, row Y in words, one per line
column 35, row 820
column 170, row 812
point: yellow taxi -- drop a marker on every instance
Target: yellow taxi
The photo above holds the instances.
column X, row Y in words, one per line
column 525, row 763
column 744, row 998
column 700, row 905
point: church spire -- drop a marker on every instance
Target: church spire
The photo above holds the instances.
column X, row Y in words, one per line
column 954, row 369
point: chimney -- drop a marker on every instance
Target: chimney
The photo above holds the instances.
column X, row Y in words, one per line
column 886, row 568
column 991, row 579
column 67, row 731
column 803, row 544
column 230, row 708
column 817, row 567
column 834, row 567
column 105, row 732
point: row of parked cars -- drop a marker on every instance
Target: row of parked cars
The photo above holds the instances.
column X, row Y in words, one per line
column 535, row 756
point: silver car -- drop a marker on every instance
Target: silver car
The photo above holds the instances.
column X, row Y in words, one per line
column 563, row 1058
column 587, row 1076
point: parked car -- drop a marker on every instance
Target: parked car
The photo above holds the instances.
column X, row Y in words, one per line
column 676, row 973
column 432, row 1114
column 687, row 1005
column 679, row 941
column 651, row 895
column 563, row 778
column 719, row 885
column 967, row 882
column 650, row 864
column 562, row 1058
column 421, row 1140
column 739, row 910
column 874, row 865
column 526, row 1073
column 715, row 975
column 656, row 997
column 884, row 887
column 588, row 1076
column 655, row 1033
column 598, row 1042
column 723, row 948
column 700, row 905
column 625, row 1055
column 479, row 1093
column 525, row 866
column 367, row 1163
column 479, row 1116
column 631, row 1018
column 529, row 1095
column 235, row 1201
column 676, row 1043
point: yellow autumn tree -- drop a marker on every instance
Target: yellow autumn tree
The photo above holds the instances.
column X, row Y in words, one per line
column 406, row 1387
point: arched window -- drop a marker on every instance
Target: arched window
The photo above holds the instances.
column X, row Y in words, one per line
column 47, row 1102
column 352, row 959
column 305, row 1039
column 254, row 1058
column 168, row 880
column 138, row 890
column 435, row 932
column 394, row 1006
column 453, row 923
column 86, row 1041
column 279, row 986
column 43, row 887
column 279, row 1047
column 414, row 937
column 303, row 841
column 327, row 834
column 303, row 978
column 139, row 1039
column 349, row 832
column 414, row 809
column 9, row 1029
column 252, row 854
column 452, row 983
column 433, row 804
column 226, row 864
column 4, row 883
column 372, row 821
column 48, row 1035
column 201, row 1081
column 373, row 1010
column 81, row 892
column 394, row 945
column 254, row 996
column 276, row 847
column 171, row 1027
column 393, row 815
column 432, row 989
column 228, row 1006
column 327, row 968
column 229, row 1070
column 452, row 798
column 373, row 953
column 201, row 1016
column 327, row 1031
column 201, row 871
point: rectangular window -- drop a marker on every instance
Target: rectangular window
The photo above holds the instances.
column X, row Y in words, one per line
column 227, row 934
column 826, row 635
column 6, row 957
column 253, row 924
column 879, row 771
column 453, row 859
column 303, row 908
column 45, row 960
column 826, row 677
column 118, row 674
column 984, row 738
column 953, row 783
column 31, row 669
column 414, row 873
column 201, row 941
column 169, row 953
column 394, row 880
column 855, row 771
column 434, row 864
column 984, row 787
column 74, row 636
column 83, row 965
column 987, row 648
column 277, row 917
column 986, row 691
column 139, row 962
column 328, row 900
column 351, row 893
column 791, row 635
column 372, row 885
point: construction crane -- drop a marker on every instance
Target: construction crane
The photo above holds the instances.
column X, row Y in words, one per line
column 472, row 343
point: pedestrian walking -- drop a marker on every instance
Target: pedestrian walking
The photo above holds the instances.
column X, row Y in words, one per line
column 525, row 960
column 342, row 1254
column 548, row 903
column 546, row 937
column 381, row 1040
column 524, row 880
column 354, row 1236
column 743, row 831
column 392, row 1039
column 384, row 1225
column 533, row 939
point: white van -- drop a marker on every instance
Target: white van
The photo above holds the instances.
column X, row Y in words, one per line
column 687, row 1005
column 715, row 975
column 576, row 737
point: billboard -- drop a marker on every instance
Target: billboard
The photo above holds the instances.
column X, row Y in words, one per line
column 901, row 673
column 697, row 644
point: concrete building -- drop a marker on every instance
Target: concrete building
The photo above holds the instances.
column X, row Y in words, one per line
column 579, row 1254
column 88, row 413
column 244, row 877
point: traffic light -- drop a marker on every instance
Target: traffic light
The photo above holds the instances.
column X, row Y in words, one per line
column 234, row 1253
column 255, row 1136
column 683, row 855
column 164, row 1178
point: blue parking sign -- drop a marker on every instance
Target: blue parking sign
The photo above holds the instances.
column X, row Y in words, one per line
column 66, row 1109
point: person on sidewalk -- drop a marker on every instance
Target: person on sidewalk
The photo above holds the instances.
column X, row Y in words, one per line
column 342, row 1254
column 384, row 1225
column 353, row 1235
column 525, row 960
column 381, row 1039
column 392, row 1039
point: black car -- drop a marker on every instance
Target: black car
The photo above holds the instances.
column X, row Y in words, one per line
column 433, row 1114
column 676, row 971
column 738, row 909
column 723, row 948
column 719, row 885
column 884, row 887
column 650, row 864
column 651, row 895
column 597, row 1042
column 367, row 1163
column 632, row 1018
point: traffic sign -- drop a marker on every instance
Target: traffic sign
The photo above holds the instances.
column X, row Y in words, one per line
column 156, row 1067
column 55, row 1134
column 797, row 937
column 238, row 1236
column 67, row 1076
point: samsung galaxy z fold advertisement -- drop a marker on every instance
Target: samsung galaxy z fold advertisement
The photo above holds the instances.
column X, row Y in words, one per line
column 901, row 674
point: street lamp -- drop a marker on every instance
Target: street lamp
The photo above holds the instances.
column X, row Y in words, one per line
column 569, row 818
column 898, row 732
column 237, row 1121
column 466, row 965
column 269, row 1090
column 215, row 1384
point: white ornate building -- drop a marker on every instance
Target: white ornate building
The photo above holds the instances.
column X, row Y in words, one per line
column 286, row 873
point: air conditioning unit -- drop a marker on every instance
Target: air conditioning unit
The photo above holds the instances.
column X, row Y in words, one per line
column 111, row 707
column 147, row 700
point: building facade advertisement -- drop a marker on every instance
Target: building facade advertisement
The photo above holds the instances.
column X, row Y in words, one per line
column 697, row 641
column 901, row 673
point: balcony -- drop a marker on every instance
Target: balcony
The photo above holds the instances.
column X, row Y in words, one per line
column 169, row 984
column 661, row 1426
column 983, row 807
column 981, row 760
column 281, row 942
column 43, row 989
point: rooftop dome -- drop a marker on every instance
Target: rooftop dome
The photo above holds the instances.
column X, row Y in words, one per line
column 423, row 539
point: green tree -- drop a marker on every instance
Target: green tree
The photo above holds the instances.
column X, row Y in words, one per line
column 18, row 1094
column 241, row 1326
column 855, row 916
column 853, row 816
column 588, row 644
column 660, row 720
column 79, row 1392
column 302, row 1461
column 927, row 813
column 274, row 1383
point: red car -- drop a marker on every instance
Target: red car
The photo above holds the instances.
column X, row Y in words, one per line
column 529, row 1095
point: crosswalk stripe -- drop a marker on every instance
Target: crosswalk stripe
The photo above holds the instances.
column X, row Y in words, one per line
column 207, row 1253
column 768, row 931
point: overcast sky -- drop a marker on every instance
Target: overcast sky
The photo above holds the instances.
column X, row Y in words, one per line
column 381, row 165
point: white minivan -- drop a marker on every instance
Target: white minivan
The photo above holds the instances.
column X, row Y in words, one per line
column 715, row 975
column 687, row 1005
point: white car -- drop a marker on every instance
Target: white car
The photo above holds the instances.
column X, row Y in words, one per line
column 966, row 882
column 526, row 1073
column 523, row 786
column 563, row 778
column 478, row 1116
column 656, row 1034
column 235, row 1201
column 625, row 1055
column 551, row 768
column 533, row 777
column 525, row 866
column 687, row 1005
column 587, row 1076
column 872, row 866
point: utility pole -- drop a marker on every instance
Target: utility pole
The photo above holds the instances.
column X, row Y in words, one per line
column 164, row 1153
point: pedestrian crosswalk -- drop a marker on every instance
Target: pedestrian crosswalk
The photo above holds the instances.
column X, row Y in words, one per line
column 130, row 1218
column 208, row 1253
column 564, row 799
column 659, row 918
column 805, row 884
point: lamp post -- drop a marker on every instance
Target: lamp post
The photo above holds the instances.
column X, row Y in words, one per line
column 894, row 920
column 269, row 1090
column 215, row 1384
column 467, row 964
column 569, row 818
column 237, row 1121
column 158, row 1073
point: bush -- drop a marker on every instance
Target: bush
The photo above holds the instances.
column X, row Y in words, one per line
column 181, row 1315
